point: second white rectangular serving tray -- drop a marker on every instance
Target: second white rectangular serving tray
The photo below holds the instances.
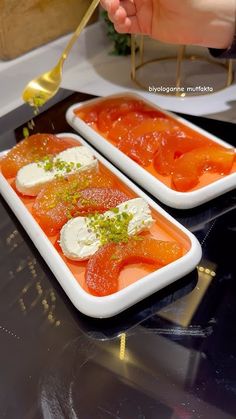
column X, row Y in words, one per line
column 170, row 197
column 108, row 306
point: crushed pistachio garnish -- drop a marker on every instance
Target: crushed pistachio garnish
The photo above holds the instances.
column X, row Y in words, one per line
column 68, row 215
column 115, row 257
column 37, row 101
column 31, row 124
column 87, row 202
column 69, row 194
column 115, row 210
column 48, row 163
column 87, row 242
column 137, row 238
column 110, row 229
column 25, row 132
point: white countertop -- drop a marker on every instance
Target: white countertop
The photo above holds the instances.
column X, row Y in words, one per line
column 91, row 69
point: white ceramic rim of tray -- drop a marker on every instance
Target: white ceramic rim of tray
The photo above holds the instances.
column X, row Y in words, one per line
column 170, row 197
column 108, row 306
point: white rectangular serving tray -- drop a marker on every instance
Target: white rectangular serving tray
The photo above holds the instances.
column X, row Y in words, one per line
column 170, row 197
column 108, row 306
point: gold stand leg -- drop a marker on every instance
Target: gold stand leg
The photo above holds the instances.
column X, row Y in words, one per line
column 180, row 58
column 122, row 346
column 230, row 75
column 133, row 57
column 141, row 49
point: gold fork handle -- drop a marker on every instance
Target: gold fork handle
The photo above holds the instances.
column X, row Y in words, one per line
column 81, row 26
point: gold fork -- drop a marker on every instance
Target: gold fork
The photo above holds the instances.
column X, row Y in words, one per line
column 39, row 90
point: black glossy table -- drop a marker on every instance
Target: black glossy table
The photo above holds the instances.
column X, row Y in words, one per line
column 172, row 356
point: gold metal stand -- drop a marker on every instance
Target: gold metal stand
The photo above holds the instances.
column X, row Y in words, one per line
column 138, row 62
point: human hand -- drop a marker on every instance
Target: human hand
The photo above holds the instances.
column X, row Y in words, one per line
column 209, row 23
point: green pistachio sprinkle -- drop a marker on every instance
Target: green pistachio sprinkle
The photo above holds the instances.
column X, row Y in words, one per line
column 114, row 257
column 49, row 164
column 37, row 101
column 115, row 210
column 25, row 132
column 69, row 215
column 31, row 124
column 87, row 242
column 110, row 229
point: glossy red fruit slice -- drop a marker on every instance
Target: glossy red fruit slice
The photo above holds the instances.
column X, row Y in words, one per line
column 140, row 141
column 88, row 114
column 31, row 149
column 141, row 149
column 57, row 201
column 104, row 266
column 152, row 126
column 121, row 127
column 93, row 200
column 173, row 145
column 193, row 164
column 113, row 109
